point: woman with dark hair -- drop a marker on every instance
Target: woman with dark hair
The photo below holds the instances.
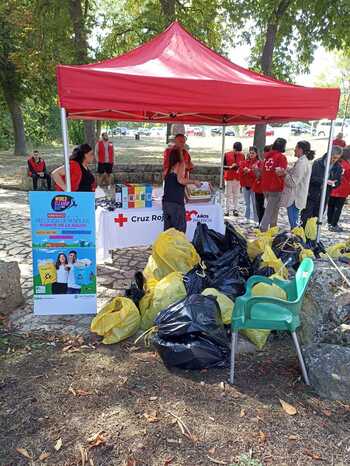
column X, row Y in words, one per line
column 232, row 162
column 338, row 195
column 316, row 183
column 247, row 178
column 272, row 182
column 297, row 181
column 60, row 286
column 175, row 181
column 81, row 177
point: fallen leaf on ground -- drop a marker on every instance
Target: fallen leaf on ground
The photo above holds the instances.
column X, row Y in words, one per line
column 82, row 392
column 292, row 437
column 97, row 440
column 43, row 456
column 288, row 408
column 153, row 398
column 72, row 391
column 130, row 462
column 168, row 461
column 23, row 452
column 213, row 460
column 58, row 444
column 151, row 416
column 242, row 413
column 262, row 436
column 327, row 412
column 212, row 450
column 314, row 456
column 67, row 348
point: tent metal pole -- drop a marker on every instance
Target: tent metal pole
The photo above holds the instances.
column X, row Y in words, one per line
column 325, row 180
column 222, row 159
column 65, row 147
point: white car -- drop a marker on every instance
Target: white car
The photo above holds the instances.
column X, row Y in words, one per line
column 323, row 126
column 157, row 132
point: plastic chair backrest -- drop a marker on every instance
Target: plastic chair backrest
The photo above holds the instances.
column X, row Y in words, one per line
column 302, row 277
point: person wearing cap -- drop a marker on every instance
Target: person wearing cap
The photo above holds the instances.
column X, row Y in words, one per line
column 37, row 170
column 316, row 183
column 180, row 144
column 104, row 154
column 339, row 141
column 339, row 195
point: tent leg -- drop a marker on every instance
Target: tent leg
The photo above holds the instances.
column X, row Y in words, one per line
column 325, row 179
column 222, row 162
column 65, row 147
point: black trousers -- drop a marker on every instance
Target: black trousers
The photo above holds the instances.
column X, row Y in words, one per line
column 45, row 176
column 259, row 202
column 335, row 206
column 174, row 216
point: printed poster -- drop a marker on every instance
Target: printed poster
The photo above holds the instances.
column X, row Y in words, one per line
column 64, row 252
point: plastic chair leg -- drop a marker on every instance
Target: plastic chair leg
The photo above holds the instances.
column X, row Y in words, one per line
column 300, row 357
column 233, row 351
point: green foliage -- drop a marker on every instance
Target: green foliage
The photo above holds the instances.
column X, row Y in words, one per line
column 245, row 460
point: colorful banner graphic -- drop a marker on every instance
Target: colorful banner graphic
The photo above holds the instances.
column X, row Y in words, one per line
column 64, row 252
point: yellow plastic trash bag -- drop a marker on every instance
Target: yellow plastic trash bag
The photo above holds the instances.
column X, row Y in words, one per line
column 337, row 250
column 117, row 320
column 257, row 247
column 269, row 234
column 166, row 292
column 311, row 228
column 226, row 304
column 306, row 253
column 299, row 231
column 147, row 299
column 47, row 271
column 259, row 336
column 172, row 252
column 150, row 269
column 269, row 259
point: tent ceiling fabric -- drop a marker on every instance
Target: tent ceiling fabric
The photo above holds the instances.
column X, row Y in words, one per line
column 174, row 77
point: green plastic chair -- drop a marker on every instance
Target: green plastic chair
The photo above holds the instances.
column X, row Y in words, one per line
column 263, row 312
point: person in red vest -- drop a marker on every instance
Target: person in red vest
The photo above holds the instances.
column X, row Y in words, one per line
column 80, row 176
column 37, row 169
column 272, row 182
column 338, row 195
column 232, row 161
column 180, row 142
column 247, row 178
column 259, row 193
column 104, row 154
column 339, row 141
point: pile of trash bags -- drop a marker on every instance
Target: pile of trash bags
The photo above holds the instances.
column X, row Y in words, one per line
column 186, row 292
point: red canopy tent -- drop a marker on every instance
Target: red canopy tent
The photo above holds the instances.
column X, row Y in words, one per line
column 174, row 77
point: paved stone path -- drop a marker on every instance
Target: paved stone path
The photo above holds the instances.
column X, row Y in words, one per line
column 15, row 244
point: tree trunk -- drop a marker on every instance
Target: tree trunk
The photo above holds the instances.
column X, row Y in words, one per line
column 266, row 61
column 17, row 122
column 98, row 129
column 168, row 10
column 78, row 18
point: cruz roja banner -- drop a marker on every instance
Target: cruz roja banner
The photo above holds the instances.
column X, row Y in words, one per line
column 64, row 252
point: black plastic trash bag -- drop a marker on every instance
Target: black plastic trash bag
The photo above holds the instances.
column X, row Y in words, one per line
column 195, row 280
column 208, row 243
column 234, row 239
column 287, row 247
column 193, row 352
column 258, row 270
column 136, row 291
column 195, row 315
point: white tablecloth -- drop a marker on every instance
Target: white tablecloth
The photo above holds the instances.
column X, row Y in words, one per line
column 124, row 228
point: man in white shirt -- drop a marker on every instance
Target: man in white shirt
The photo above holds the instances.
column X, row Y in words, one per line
column 72, row 287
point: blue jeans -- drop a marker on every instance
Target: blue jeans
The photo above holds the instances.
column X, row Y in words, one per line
column 293, row 216
column 250, row 207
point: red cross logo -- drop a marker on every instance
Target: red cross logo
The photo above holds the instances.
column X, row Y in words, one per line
column 190, row 214
column 121, row 220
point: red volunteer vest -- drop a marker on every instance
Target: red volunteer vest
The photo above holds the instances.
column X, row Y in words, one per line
column 233, row 157
column 35, row 167
column 101, row 152
column 343, row 190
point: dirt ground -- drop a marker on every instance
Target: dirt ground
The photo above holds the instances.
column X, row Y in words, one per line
column 70, row 402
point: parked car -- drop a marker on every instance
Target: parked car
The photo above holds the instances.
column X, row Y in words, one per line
column 144, row 131
column 215, row 131
column 299, row 127
column 218, row 131
column 229, row 132
column 323, row 126
column 158, row 131
column 250, row 131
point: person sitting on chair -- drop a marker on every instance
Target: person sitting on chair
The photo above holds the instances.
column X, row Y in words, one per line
column 37, row 169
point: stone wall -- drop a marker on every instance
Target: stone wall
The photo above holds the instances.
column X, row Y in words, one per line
column 135, row 173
